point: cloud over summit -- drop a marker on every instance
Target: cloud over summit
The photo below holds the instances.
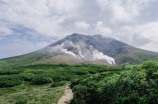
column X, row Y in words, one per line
column 131, row 21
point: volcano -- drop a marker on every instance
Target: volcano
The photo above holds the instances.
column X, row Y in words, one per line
column 79, row 49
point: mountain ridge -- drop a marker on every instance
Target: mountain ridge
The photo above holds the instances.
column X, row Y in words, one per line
column 85, row 48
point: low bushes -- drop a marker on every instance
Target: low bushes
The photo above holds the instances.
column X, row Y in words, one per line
column 28, row 76
column 56, row 84
column 38, row 80
column 135, row 86
column 43, row 74
column 21, row 102
column 10, row 81
column 10, row 71
column 79, row 72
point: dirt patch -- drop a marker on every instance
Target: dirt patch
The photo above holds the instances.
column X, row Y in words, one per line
column 67, row 96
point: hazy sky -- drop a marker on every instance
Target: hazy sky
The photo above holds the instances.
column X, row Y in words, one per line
column 28, row 25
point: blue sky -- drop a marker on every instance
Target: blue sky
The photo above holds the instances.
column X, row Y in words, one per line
column 28, row 25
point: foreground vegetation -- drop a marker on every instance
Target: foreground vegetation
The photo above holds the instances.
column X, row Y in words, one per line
column 91, row 84
column 139, row 85
column 42, row 83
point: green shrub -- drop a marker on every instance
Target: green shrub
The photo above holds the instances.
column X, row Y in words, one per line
column 79, row 72
column 130, row 99
column 58, row 78
column 28, row 76
column 38, row 80
column 74, row 82
column 91, row 71
column 56, row 84
column 10, row 71
column 114, row 87
column 36, row 72
column 21, row 102
column 150, row 67
column 10, row 81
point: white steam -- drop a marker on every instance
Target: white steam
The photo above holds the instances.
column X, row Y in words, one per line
column 99, row 55
column 60, row 49
column 80, row 50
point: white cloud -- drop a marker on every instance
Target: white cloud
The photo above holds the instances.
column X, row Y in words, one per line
column 100, row 28
column 5, row 31
column 122, row 10
column 152, row 46
column 131, row 21
column 63, row 6
column 144, row 36
column 82, row 25
column 149, row 31
column 44, row 16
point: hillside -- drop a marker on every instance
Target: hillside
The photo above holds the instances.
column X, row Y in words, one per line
column 78, row 48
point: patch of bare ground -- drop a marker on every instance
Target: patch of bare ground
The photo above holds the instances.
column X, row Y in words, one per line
column 67, row 96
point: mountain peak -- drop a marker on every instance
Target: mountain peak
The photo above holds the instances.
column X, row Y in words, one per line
column 75, row 34
column 80, row 48
column 98, row 35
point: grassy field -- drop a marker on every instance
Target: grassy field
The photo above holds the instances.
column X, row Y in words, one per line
column 31, row 94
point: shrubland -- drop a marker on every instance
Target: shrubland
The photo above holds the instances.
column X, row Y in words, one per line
column 91, row 84
column 138, row 85
column 31, row 84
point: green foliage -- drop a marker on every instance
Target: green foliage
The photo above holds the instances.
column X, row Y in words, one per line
column 74, row 82
column 130, row 99
column 56, row 84
column 10, row 81
column 21, row 102
column 22, row 82
column 92, row 84
column 28, row 76
column 91, row 71
column 10, row 71
column 150, row 67
column 38, row 80
column 127, row 87
column 79, row 72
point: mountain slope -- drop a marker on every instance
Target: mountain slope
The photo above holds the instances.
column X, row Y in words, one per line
column 78, row 48
column 121, row 52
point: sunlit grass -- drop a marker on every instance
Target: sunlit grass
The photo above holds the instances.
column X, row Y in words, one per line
column 43, row 94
